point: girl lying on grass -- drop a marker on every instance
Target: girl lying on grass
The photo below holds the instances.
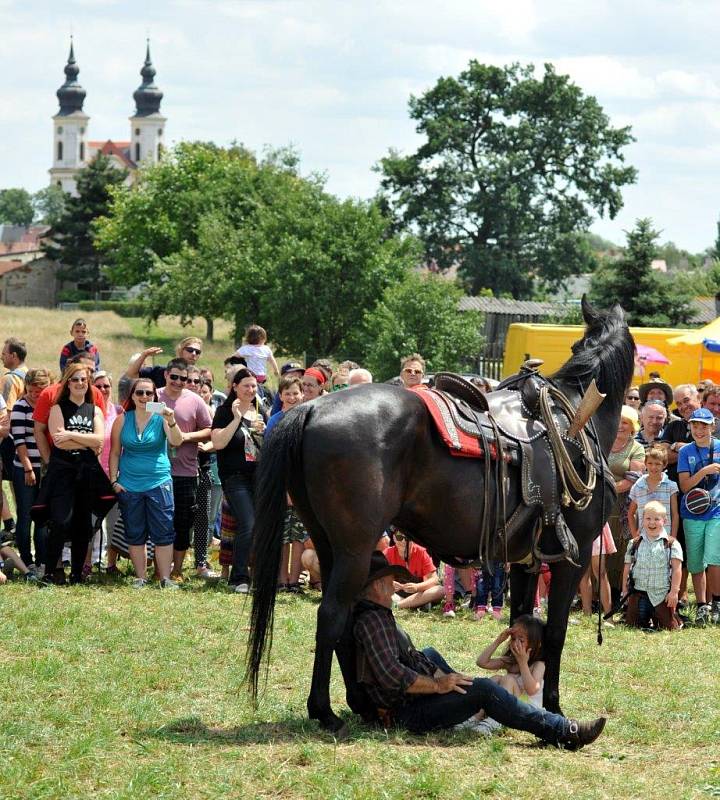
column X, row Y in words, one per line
column 522, row 664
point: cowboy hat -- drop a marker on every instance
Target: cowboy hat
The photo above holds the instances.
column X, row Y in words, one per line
column 380, row 567
column 656, row 384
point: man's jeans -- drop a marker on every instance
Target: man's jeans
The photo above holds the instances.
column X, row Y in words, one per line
column 24, row 497
column 428, row 712
column 238, row 492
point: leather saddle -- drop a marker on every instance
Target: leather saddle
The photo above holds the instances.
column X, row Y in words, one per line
column 509, row 418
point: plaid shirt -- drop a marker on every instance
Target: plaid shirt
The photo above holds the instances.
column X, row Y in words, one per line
column 384, row 667
column 652, row 569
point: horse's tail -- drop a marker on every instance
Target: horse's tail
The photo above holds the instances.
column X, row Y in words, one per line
column 280, row 454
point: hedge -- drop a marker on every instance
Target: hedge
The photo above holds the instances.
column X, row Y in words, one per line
column 123, row 308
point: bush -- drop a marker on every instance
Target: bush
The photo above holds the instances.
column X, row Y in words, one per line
column 123, row 308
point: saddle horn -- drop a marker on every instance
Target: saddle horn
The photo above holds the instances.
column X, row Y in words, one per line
column 589, row 404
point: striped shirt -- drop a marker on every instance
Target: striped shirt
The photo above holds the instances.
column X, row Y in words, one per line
column 21, row 428
column 641, row 494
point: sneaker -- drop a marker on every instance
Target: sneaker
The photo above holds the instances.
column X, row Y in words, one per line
column 242, row 588
column 497, row 613
column 480, row 613
column 31, row 577
column 448, row 610
column 205, row 572
column 168, row 583
column 139, row 583
column 176, row 579
column 581, row 733
column 702, row 615
column 715, row 613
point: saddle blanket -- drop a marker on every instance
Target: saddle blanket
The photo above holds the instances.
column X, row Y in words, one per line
column 458, row 442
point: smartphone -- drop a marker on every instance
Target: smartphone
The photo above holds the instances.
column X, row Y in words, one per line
column 154, row 407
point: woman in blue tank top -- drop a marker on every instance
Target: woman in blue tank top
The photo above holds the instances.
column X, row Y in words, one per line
column 140, row 475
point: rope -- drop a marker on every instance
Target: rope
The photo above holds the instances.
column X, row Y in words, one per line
column 566, row 469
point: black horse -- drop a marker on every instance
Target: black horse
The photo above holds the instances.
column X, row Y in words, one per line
column 356, row 461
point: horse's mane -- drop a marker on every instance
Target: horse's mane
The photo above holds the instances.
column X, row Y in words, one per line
column 606, row 352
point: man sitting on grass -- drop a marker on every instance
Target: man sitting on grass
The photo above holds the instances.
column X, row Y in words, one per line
column 419, row 691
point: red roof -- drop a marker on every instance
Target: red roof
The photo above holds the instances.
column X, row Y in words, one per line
column 9, row 266
column 19, row 247
column 119, row 149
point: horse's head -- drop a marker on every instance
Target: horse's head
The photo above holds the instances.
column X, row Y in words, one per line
column 606, row 352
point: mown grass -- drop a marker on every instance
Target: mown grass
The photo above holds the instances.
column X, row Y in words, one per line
column 113, row 693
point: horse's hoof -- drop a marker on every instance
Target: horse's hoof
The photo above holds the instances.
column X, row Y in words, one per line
column 331, row 723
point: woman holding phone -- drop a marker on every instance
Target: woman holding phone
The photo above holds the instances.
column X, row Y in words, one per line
column 237, row 431
column 140, row 476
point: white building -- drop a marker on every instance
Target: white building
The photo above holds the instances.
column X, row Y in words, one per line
column 72, row 150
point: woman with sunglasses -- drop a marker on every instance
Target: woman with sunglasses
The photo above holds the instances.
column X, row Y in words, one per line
column 412, row 370
column 75, row 486
column 140, row 475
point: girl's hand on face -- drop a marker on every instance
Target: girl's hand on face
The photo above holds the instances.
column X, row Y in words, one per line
column 520, row 652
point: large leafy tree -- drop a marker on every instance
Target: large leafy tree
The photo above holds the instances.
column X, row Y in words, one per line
column 419, row 315
column 649, row 298
column 510, row 172
column 215, row 232
column 49, row 204
column 16, row 207
column 73, row 235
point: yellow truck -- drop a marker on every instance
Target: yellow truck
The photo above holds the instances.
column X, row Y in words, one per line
column 690, row 360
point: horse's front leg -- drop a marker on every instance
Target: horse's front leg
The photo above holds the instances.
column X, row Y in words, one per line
column 522, row 591
column 563, row 585
column 346, row 580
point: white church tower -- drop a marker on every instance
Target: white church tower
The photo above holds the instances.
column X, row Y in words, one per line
column 147, row 125
column 69, row 130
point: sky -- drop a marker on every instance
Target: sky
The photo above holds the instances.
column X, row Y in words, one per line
column 333, row 79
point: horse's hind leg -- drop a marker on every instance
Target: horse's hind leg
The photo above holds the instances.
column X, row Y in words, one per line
column 347, row 575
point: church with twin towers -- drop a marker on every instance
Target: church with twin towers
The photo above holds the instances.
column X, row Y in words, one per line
column 73, row 150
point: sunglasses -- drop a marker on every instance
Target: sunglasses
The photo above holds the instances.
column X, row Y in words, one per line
column 413, row 371
column 144, row 392
column 193, row 350
column 399, row 537
column 339, row 386
column 78, row 380
column 632, row 397
column 103, row 386
column 181, row 378
column 194, row 380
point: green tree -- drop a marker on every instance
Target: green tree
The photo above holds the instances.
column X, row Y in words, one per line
column 73, row 239
column 49, row 205
column 509, row 173
column 649, row 298
column 419, row 314
column 16, row 207
column 216, row 232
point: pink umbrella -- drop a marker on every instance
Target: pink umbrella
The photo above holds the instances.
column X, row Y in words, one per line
column 650, row 355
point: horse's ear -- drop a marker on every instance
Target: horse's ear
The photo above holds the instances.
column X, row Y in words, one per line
column 589, row 313
column 618, row 311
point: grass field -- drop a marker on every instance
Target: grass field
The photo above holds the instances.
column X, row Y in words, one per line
column 113, row 693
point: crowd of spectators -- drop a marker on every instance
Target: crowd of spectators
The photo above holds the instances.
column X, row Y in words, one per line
column 168, row 466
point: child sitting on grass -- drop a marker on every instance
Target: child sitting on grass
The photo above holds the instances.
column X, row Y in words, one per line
column 523, row 666
column 12, row 561
column 652, row 573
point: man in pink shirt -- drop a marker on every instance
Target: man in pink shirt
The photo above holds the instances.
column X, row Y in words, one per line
column 193, row 419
